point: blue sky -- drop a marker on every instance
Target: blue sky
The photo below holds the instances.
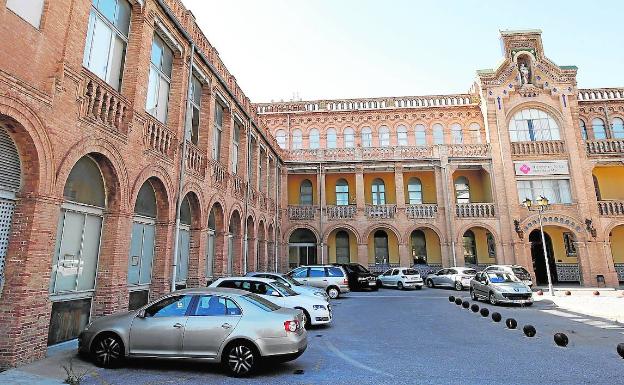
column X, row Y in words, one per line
column 322, row 49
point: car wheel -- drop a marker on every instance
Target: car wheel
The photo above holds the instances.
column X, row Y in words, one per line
column 458, row 286
column 107, row 351
column 430, row 284
column 493, row 300
column 400, row 285
column 379, row 284
column 306, row 318
column 333, row 292
column 240, row 359
column 473, row 295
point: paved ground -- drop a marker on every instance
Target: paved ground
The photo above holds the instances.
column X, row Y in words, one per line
column 418, row 337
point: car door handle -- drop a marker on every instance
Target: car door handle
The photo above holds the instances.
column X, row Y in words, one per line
column 178, row 325
column 324, row 280
column 226, row 326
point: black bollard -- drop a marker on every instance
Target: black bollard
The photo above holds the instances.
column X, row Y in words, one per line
column 458, row 301
column 474, row 308
column 620, row 349
column 529, row 330
column 485, row 312
column 561, row 339
column 451, row 298
column 496, row 317
column 465, row 304
column 511, row 323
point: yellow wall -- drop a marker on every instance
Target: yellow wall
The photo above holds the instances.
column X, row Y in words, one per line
column 479, row 182
column 617, row 244
column 434, row 251
column 294, row 182
column 610, row 182
column 482, row 248
column 330, row 187
column 388, row 178
column 393, row 247
column 331, row 245
column 556, row 236
column 428, row 184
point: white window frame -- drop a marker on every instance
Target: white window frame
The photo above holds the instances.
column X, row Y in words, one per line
column 22, row 7
column 161, row 76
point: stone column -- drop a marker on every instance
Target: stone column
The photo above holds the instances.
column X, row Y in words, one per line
column 362, row 256
column 405, row 259
column 399, row 187
column 359, row 189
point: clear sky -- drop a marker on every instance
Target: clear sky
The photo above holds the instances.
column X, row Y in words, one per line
column 322, row 49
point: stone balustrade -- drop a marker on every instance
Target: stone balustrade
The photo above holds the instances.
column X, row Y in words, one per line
column 238, row 186
column 550, row 147
column 475, row 210
column 218, row 174
column 586, row 95
column 381, row 211
column 253, row 197
column 469, row 150
column 102, row 104
column 301, row 213
column 421, row 211
column 611, row 208
column 194, row 159
column 158, row 138
column 340, row 212
column 605, row 147
column 362, row 153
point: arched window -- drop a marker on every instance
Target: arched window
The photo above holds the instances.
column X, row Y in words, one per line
column 402, row 135
column 379, row 192
column 414, row 191
column 342, row 192
column 367, row 137
column 583, row 129
column 475, row 133
column 85, row 184
column 462, row 190
column 438, row 134
column 332, row 140
column 297, row 139
column 145, row 205
column 281, row 137
column 142, row 243
column 456, row 133
column 598, row 127
column 421, row 136
column 531, row 125
column 470, row 248
column 315, row 138
column 305, row 193
column 185, row 212
column 210, row 247
column 418, row 243
column 349, row 137
column 384, row 136
column 617, row 128
column 10, row 181
column 342, row 247
column 382, row 255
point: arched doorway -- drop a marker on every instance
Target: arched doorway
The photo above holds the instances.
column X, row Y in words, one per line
column 382, row 249
column 418, row 243
column 302, row 246
column 142, row 242
column 184, row 243
column 261, row 253
column 616, row 239
column 251, row 244
column 343, row 249
column 215, row 225
column 537, row 256
column 10, row 182
column 479, row 247
column 342, row 246
column 74, row 265
column 271, row 248
column 234, row 237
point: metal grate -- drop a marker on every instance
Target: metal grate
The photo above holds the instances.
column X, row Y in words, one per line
column 10, row 168
column 6, row 214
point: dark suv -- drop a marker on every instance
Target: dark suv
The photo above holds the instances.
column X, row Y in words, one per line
column 358, row 276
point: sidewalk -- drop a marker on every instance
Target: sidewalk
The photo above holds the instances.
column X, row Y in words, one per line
column 608, row 305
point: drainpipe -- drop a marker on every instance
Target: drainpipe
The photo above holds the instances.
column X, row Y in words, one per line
column 277, row 198
column 248, row 167
column 321, row 214
column 179, row 197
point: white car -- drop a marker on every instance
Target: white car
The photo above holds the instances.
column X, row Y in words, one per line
column 317, row 310
column 401, row 278
column 516, row 270
column 456, row 277
column 291, row 283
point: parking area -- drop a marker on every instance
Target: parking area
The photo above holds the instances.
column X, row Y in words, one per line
column 393, row 336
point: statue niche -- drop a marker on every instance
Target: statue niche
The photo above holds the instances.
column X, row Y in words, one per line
column 524, row 67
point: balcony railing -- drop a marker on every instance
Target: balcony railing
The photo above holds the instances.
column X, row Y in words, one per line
column 475, row 210
column 605, row 147
column 381, row 211
column 218, row 175
column 301, row 213
column 253, row 197
column 550, row 147
column 158, row 138
column 469, row 150
column 611, row 208
column 340, row 212
column 103, row 105
column 194, row 159
column 421, row 211
column 238, row 186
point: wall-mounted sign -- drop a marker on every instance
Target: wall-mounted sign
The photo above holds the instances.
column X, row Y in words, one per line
column 554, row 167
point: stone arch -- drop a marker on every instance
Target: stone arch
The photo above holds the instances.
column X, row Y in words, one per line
column 539, row 106
column 491, row 229
column 162, row 183
column 431, row 227
column 612, row 225
column 286, row 235
column 196, row 212
column 553, row 219
column 383, row 226
column 336, row 226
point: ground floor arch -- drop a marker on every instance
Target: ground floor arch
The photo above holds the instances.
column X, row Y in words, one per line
column 302, row 248
column 425, row 247
column 616, row 241
column 561, row 255
column 251, row 242
column 342, row 246
column 234, row 244
column 214, row 246
column 383, row 247
column 478, row 247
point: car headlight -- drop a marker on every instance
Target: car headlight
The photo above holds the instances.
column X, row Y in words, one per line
column 319, row 307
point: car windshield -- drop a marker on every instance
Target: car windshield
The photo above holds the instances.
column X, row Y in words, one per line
column 284, row 290
column 469, row 272
column 410, row 272
column 288, row 279
column 260, row 302
column 520, row 270
column 500, row 277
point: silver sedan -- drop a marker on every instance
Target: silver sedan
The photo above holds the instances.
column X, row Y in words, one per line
column 455, row 277
column 233, row 327
column 500, row 287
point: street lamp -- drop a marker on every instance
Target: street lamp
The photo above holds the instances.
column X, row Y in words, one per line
column 541, row 204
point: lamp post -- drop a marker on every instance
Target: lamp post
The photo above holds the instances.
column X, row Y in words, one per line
column 540, row 206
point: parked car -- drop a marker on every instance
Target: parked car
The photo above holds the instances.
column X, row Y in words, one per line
column 455, row 277
column 317, row 311
column 401, row 278
column 520, row 272
column 332, row 279
column 291, row 283
column 233, row 327
column 358, row 276
column 500, row 287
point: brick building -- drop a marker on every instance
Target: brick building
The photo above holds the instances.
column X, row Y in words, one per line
column 131, row 163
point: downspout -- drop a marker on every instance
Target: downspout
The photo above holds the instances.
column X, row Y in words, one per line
column 277, row 198
column 185, row 139
column 248, row 167
column 321, row 214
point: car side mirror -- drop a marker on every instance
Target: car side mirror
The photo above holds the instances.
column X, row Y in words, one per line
column 141, row 314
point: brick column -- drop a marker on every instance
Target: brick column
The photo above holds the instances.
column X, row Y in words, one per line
column 25, row 305
column 405, row 259
column 359, row 189
column 362, row 256
column 220, row 257
column 400, row 188
column 161, row 265
column 197, row 258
